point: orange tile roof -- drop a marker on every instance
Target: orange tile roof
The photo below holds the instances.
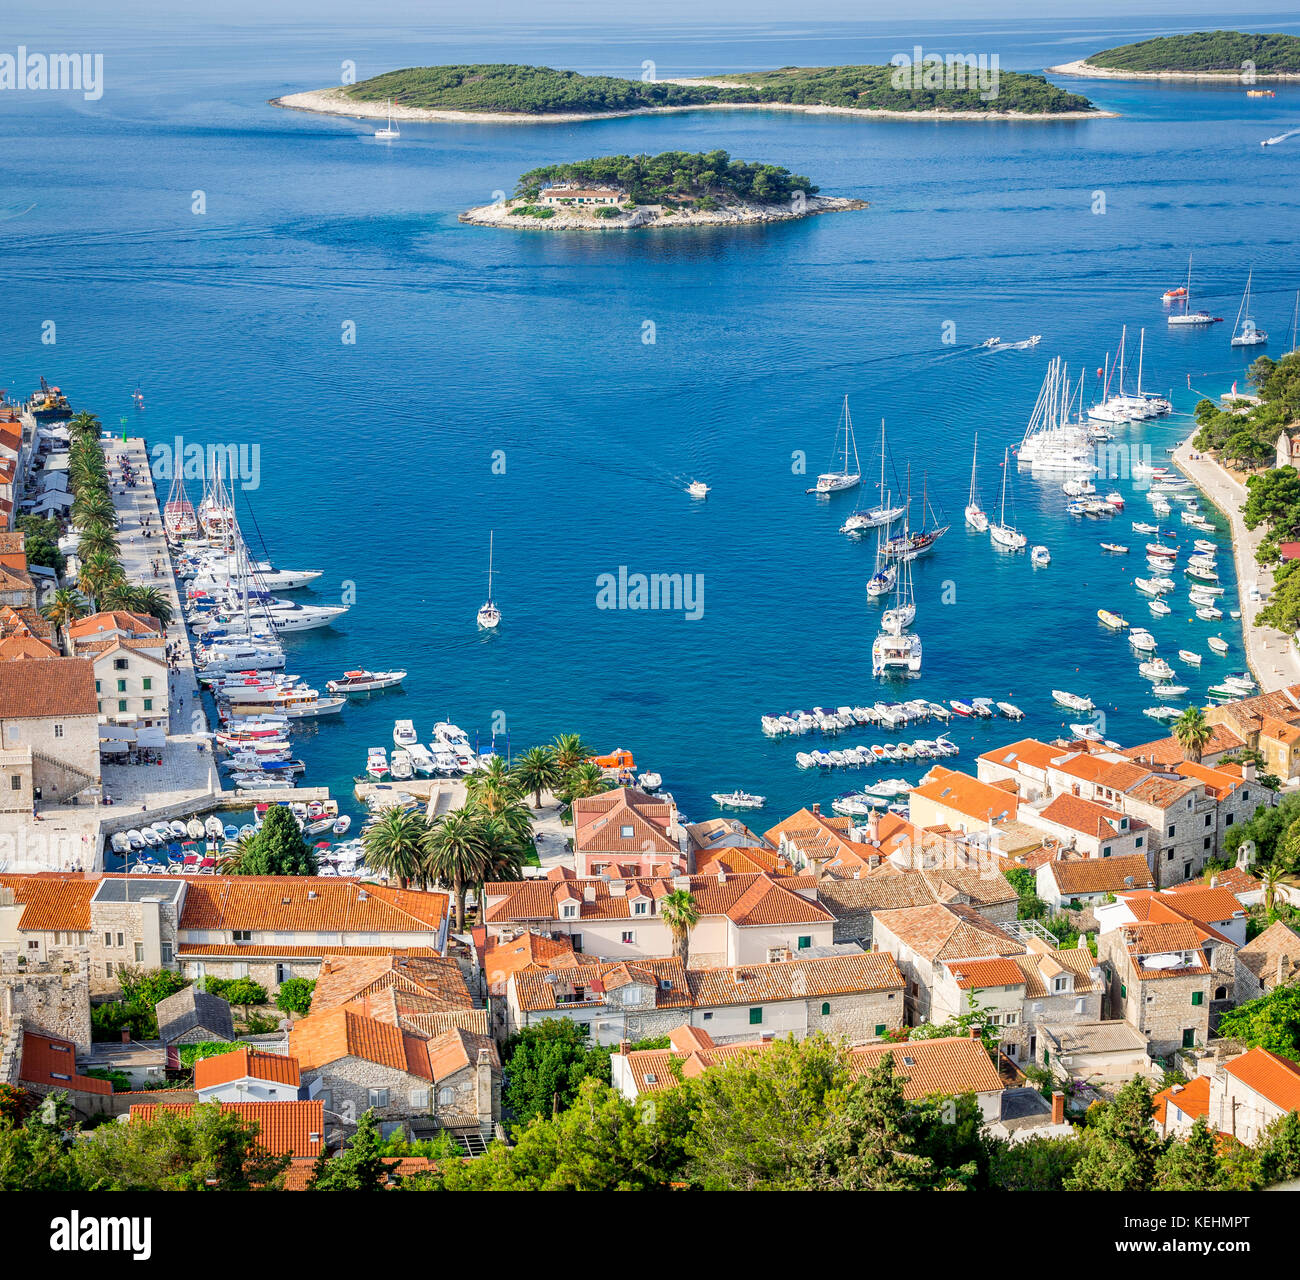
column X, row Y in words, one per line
column 974, row 975
column 1029, row 751
column 598, row 822
column 284, row 1128
column 50, row 1061
column 438, row 979
column 1184, row 908
column 501, row 956
column 20, row 648
column 1192, row 1099
column 1097, row 821
column 47, row 688
column 1101, row 875
column 225, row 1068
column 1169, row 751
column 54, row 902
column 795, row 979
column 1218, row 782
column 570, row 985
column 968, row 796
column 948, row 932
column 1277, row 945
column 1273, row 1077
column 322, row 1038
column 273, row 950
column 112, row 620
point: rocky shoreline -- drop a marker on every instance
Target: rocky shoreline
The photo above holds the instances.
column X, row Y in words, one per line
column 652, row 215
column 1085, row 69
column 334, row 102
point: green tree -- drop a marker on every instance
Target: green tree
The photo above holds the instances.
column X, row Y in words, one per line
column 396, row 844
column 278, row 849
column 1192, row 732
column 243, row 993
column 359, row 1167
column 680, row 912
column 1276, row 1156
column 1122, row 1148
column 571, row 751
column 538, row 770
column 294, row 996
column 205, row 1150
column 1269, row 1022
column 63, row 608
column 544, row 1066
column 35, row 1156
column 1192, row 1163
column 493, row 787
column 456, row 854
column 1036, row 1164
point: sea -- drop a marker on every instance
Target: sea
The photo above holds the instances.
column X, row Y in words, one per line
column 402, row 385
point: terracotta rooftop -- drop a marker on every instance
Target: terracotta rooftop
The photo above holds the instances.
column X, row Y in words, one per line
column 1192, row 1099
column 584, row 982
column 623, row 821
column 322, row 1038
column 1273, row 1077
column 1167, row 752
column 1101, row 875
column 943, row 932
column 978, row 801
column 1278, row 945
column 1087, row 817
column 974, row 975
column 292, row 1128
column 50, row 1061
column 47, row 688
column 1028, row 751
column 796, row 979
column 245, row 1063
column 53, row 902
column 112, row 620
column 437, row 979
column 500, row 957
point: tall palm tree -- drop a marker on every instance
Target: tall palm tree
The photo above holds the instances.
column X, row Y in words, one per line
column 585, row 780
column 492, row 787
column 91, row 506
column 153, row 603
column 571, row 751
column 85, row 424
column 1193, row 732
column 681, row 915
column 538, row 770
column 97, row 537
column 395, row 845
column 456, row 854
column 1271, row 878
column 63, row 608
column 121, row 594
column 98, row 573
column 233, row 852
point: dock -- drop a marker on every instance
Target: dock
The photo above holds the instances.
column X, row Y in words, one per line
column 1271, row 656
column 440, row 794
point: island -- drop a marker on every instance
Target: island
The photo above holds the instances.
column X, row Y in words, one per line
column 495, row 92
column 1200, row 55
column 675, row 188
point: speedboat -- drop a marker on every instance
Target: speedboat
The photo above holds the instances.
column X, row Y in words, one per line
column 1159, row 608
column 341, row 824
column 1072, row 700
column 377, row 762
column 1169, row 690
column 119, row 842
column 404, row 733
column 1142, row 640
column 1209, row 613
column 1217, row 643
column 1118, row 547
column 365, row 681
column 421, row 758
column 399, row 766
column 738, row 800
column 194, row 829
column 1040, row 556
column 1161, row 713
column 1209, row 548
column 1011, row 711
column 650, row 781
column 698, row 489
column 962, row 708
column 1088, row 732
column 1156, row 669
column 1139, row 527
column 1187, row 656
column 1111, row 620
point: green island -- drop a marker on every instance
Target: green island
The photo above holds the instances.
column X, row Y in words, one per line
column 678, row 188
column 1199, row 53
column 541, row 92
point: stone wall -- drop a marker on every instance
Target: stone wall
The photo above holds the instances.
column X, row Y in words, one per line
column 52, row 996
column 264, row 972
column 130, row 935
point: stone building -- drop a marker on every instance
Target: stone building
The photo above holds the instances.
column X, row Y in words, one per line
column 1269, row 960
column 191, row 1016
column 1086, row 882
column 625, row 832
column 1248, row 1093
column 49, row 734
column 50, row 994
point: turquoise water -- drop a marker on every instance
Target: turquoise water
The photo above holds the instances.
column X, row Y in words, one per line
column 376, row 459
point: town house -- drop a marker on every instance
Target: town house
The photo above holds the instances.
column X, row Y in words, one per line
column 49, row 734
column 625, row 832
column 247, row 1075
column 1087, row 882
column 1268, row 961
column 1249, row 1092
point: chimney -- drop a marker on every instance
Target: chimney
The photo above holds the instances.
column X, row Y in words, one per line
column 974, row 1033
column 873, row 861
column 618, row 888
column 1248, row 771
column 484, row 1090
column 589, row 893
column 873, row 827
column 1058, row 1107
column 625, row 1047
column 126, row 1035
column 817, row 809
column 1214, row 882
column 1283, row 964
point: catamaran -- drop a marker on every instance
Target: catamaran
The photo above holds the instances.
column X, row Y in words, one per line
column 889, row 652
column 1002, row 533
column 975, row 516
column 390, row 130
column 1187, row 316
column 847, row 477
column 489, row 615
column 1245, row 334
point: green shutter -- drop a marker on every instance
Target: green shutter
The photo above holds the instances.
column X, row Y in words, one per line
column 804, row 943
column 1123, row 991
column 826, row 1008
column 880, row 1028
column 756, row 1017
column 1197, row 996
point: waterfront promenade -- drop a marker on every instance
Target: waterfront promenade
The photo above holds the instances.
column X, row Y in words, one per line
column 1271, row 655
column 187, row 780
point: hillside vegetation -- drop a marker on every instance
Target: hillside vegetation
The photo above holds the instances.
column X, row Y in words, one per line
column 507, row 87
column 1205, row 51
column 679, row 176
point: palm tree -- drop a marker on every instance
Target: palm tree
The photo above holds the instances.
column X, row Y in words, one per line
column 492, row 787
column 456, row 854
column 97, row 537
column 1271, row 878
column 121, row 594
column 92, row 506
column 395, row 844
column 98, row 573
column 586, row 780
column 681, row 915
column 571, row 751
column 1193, row 733
column 85, row 424
column 233, row 853
column 153, row 603
column 63, row 608
column 537, row 770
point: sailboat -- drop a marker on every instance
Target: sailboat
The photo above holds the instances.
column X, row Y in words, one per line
column 1245, row 334
column 1187, row 316
column 884, row 514
column 390, row 130
column 489, row 615
column 896, row 620
column 179, row 518
column 1002, row 533
column 909, row 546
column 975, row 516
column 846, row 477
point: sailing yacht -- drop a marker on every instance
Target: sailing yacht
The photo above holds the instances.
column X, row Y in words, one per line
column 1002, row 533
column 846, row 477
column 179, row 518
column 390, row 130
column 1051, row 441
column 896, row 620
column 1187, row 316
column 1245, row 334
column 489, row 615
column 975, row 516
column 882, row 515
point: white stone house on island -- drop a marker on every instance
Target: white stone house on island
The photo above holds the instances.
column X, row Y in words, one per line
column 585, row 196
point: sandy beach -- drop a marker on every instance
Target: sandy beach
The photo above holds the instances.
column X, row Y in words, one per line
column 1083, row 68
column 334, row 102
column 653, row 216
column 1271, row 656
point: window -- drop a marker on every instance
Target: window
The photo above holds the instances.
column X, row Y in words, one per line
column 1060, row 984
column 805, row 942
column 826, row 1008
column 139, row 953
column 1209, row 818
column 108, row 969
column 1245, row 795
column 1171, row 830
column 1105, row 853
column 640, row 908
column 119, row 664
column 881, row 1028
column 121, row 704
column 1137, row 844
column 1189, row 1038
column 242, row 935
column 1123, row 991
column 97, row 688
column 1198, row 996
column 282, row 973
column 1011, row 1019
column 708, row 1017
column 58, row 731
column 628, row 936
column 1169, row 857
column 148, row 704
column 147, row 682
column 419, row 1098
column 1229, row 820
column 625, row 832
column 378, row 1097
column 166, row 951
column 16, row 783
column 756, row 1017
column 1078, row 1005
column 570, row 910
column 1205, row 844
column 446, row 1097
column 121, row 686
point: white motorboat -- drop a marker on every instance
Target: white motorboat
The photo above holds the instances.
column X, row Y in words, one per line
column 1002, row 533
column 1169, row 690
column 489, row 616
column 698, row 489
column 404, row 733
column 377, row 762
column 195, row 829
column 975, row 516
column 390, row 130
column 1011, row 711
column 1111, row 620
column 421, row 758
column 119, row 842
column 1245, row 333
column 1142, row 640
column 890, row 652
column 1072, row 700
column 650, row 781
column 365, row 681
column 849, row 475
column 738, row 800
column 400, row 768
column 341, row 824
column 1040, row 555
column 1161, row 713
column 1209, row 613
column 1187, row 656
column 1088, row 732
column 1156, row 669
column 1159, row 608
